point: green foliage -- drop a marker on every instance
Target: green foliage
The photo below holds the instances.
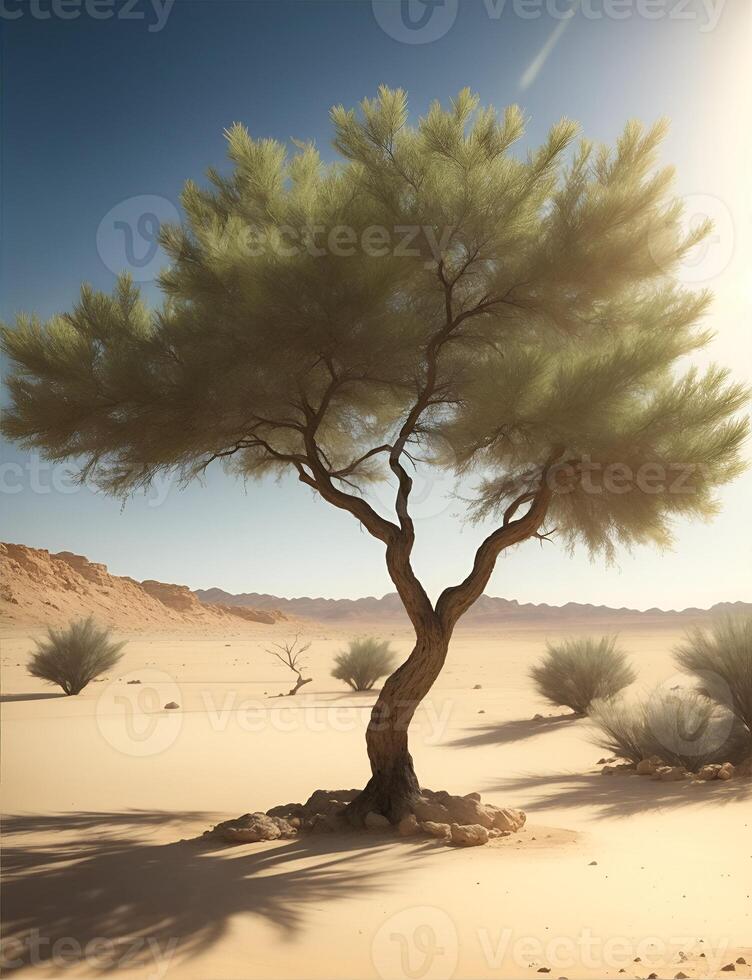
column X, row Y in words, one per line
column 721, row 660
column 576, row 672
column 73, row 657
column 533, row 296
column 683, row 728
column 364, row 662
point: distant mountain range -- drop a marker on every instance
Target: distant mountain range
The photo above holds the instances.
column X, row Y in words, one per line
column 39, row 588
column 487, row 611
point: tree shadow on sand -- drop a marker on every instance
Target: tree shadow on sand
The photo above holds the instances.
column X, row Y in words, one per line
column 515, row 730
column 101, row 877
column 618, row 795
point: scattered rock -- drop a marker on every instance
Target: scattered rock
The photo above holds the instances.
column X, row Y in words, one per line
column 477, row 687
column 681, row 976
column 538, row 718
column 741, row 961
column 544, row 969
column 671, row 774
column 727, row 771
column 172, row 704
column 709, row 772
column 137, row 682
column 469, row 835
column 592, row 864
column 619, row 767
column 376, row 821
column 646, row 767
column 728, row 968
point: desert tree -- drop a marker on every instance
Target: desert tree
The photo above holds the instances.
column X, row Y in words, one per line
column 292, row 653
column 433, row 297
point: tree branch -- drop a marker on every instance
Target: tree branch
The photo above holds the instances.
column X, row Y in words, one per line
column 457, row 599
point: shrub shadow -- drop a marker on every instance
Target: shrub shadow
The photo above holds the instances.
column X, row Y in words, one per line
column 31, row 697
column 514, row 731
column 618, row 795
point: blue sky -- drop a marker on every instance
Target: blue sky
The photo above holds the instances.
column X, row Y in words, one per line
column 100, row 114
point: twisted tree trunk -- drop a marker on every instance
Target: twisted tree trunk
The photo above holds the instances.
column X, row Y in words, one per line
column 393, row 787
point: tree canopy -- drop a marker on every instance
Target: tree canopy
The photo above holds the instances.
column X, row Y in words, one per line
column 434, row 294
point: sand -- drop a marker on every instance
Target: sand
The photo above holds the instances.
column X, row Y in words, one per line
column 105, row 794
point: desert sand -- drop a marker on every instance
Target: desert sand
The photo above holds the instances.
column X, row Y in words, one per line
column 105, row 797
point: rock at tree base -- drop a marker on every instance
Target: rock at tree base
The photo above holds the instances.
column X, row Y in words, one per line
column 323, row 811
column 376, row 821
column 408, row 826
column 440, row 830
column 442, row 807
column 468, row 836
column 433, row 813
column 253, row 827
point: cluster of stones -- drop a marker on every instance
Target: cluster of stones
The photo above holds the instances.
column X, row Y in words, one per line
column 657, row 768
column 460, row 820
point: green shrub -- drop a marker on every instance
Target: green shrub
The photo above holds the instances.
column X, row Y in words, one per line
column 684, row 728
column 363, row 663
column 579, row 671
column 74, row 656
column 721, row 661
